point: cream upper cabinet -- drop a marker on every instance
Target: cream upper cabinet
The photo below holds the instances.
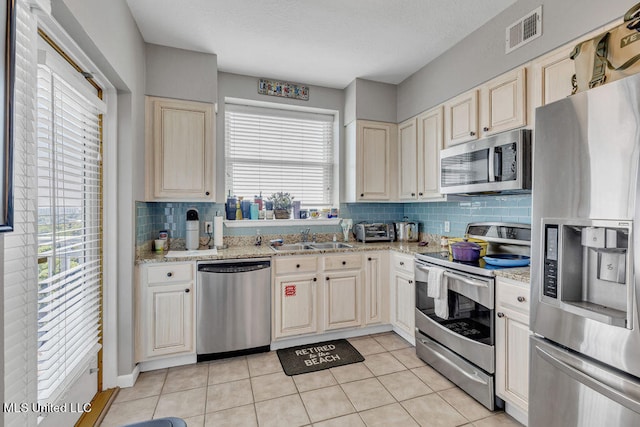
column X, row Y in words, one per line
column 461, row 118
column 512, row 342
column 371, row 161
column 503, row 103
column 342, row 299
column 165, row 315
column 180, row 150
column 553, row 74
column 408, row 160
column 376, row 272
column 430, row 140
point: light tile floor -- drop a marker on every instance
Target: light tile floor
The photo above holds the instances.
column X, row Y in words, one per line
column 392, row 387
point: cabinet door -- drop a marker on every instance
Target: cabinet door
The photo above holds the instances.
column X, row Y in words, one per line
column 375, row 160
column 407, row 160
column 180, row 150
column 342, row 293
column 461, row 118
column 429, row 145
column 504, row 103
column 295, row 305
column 512, row 342
column 169, row 318
column 403, row 304
column 553, row 77
column 375, row 272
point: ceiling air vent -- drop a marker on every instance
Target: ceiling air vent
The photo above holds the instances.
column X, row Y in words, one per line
column 524, row 30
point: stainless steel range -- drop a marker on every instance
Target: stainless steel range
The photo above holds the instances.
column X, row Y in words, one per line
column 459, row 341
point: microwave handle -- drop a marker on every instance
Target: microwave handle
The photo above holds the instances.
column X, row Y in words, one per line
column 492, row 173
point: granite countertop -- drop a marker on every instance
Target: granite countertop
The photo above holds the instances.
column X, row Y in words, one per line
column 520, row 274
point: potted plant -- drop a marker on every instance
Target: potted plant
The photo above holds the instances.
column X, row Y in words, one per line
column 281, row 204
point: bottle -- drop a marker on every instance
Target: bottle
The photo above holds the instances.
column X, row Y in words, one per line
column 238, row 210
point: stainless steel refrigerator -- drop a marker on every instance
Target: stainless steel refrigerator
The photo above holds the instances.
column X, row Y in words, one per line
column 585, row 274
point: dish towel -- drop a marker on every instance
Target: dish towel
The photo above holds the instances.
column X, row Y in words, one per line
column 437, row 289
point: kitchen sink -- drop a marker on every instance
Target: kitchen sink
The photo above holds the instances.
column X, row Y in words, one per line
column 311, row 246
column 330, row 245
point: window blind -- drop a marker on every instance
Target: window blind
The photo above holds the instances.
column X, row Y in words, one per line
column 269, row 150
column 69, row 228
column 20, row 258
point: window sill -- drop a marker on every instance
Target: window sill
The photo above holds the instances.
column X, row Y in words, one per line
column 281, row 222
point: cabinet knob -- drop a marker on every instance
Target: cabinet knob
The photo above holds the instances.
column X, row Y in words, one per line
column 410, row 282
column 169, row 274
column 521, row 299
column 401, row 262
column 500, row 315
column 326, row 278
column 315, row 279
column 420, row 194
column 361, row 194
column 472, row 133
column 369, row 259
column 206, row 193
column 187, row 290
column 413, row 194
column 344, row 262
column 297, row 265
column 486, row 129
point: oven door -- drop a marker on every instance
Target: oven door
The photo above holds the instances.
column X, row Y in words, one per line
column 469, row 329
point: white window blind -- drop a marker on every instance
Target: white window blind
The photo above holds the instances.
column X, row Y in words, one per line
column 20, row 257
column 69, row 231
column 269, row 150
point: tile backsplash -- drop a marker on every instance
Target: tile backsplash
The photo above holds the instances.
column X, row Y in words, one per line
column 151, row 217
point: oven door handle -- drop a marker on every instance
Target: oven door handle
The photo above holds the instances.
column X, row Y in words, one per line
column 442, row 357
column 466, row 280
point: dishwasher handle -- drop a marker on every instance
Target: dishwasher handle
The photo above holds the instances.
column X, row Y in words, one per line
column 233, row 267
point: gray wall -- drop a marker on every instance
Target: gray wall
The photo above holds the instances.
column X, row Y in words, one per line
column 480, row 56
column 108, row 34
column 181, row 74
column 369, row 100
column 246, row 87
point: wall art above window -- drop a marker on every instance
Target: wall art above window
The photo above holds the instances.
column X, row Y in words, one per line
column 283, row 89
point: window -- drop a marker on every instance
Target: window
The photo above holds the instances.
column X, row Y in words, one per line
column 270, row 150
column 69, row 224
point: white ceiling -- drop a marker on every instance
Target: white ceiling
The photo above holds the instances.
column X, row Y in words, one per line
column 321, row 42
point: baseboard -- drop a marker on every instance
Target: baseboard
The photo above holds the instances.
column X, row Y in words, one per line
column 335, row 335
column 128, row 380
column 405, row 335
column 516, row 412
column 168, row 362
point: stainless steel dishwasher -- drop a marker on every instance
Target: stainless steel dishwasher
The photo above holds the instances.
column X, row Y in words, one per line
column 233, row 309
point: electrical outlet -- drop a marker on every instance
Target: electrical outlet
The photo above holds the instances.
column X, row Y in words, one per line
column 447, row 227
column 208, row 227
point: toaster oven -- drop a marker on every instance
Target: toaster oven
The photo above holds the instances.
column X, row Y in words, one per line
column 375, row 232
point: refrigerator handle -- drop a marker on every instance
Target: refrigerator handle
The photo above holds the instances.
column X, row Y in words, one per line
column 492, row 166
column 626, row 393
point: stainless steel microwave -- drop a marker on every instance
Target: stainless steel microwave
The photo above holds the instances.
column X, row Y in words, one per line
column 497, row 164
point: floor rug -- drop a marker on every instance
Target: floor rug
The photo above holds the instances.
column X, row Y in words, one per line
column 316, row 357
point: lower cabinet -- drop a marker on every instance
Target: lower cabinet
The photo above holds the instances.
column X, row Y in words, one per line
column 314, row 294
column 166, row 310
column 512, row 342
column 403, row 298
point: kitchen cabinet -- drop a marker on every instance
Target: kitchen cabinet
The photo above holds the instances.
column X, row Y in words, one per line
column 342, row 294
column 512, row 342
column 180, row 150
column 403, row 299
column 376, row 272
column 165, row 311
column 461, row 118
column 553, row 75
column 419, row 143
column 503, row 103
column 295, row 305
column 371, row 161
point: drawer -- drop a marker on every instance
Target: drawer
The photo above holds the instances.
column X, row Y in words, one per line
column 513, row 296
column 287, row 265
column 402, row 263
column 169, row 273
column 343, row 262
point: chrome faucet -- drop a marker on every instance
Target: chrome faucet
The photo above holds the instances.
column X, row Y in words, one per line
column 313, row 238
column 304, row 235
